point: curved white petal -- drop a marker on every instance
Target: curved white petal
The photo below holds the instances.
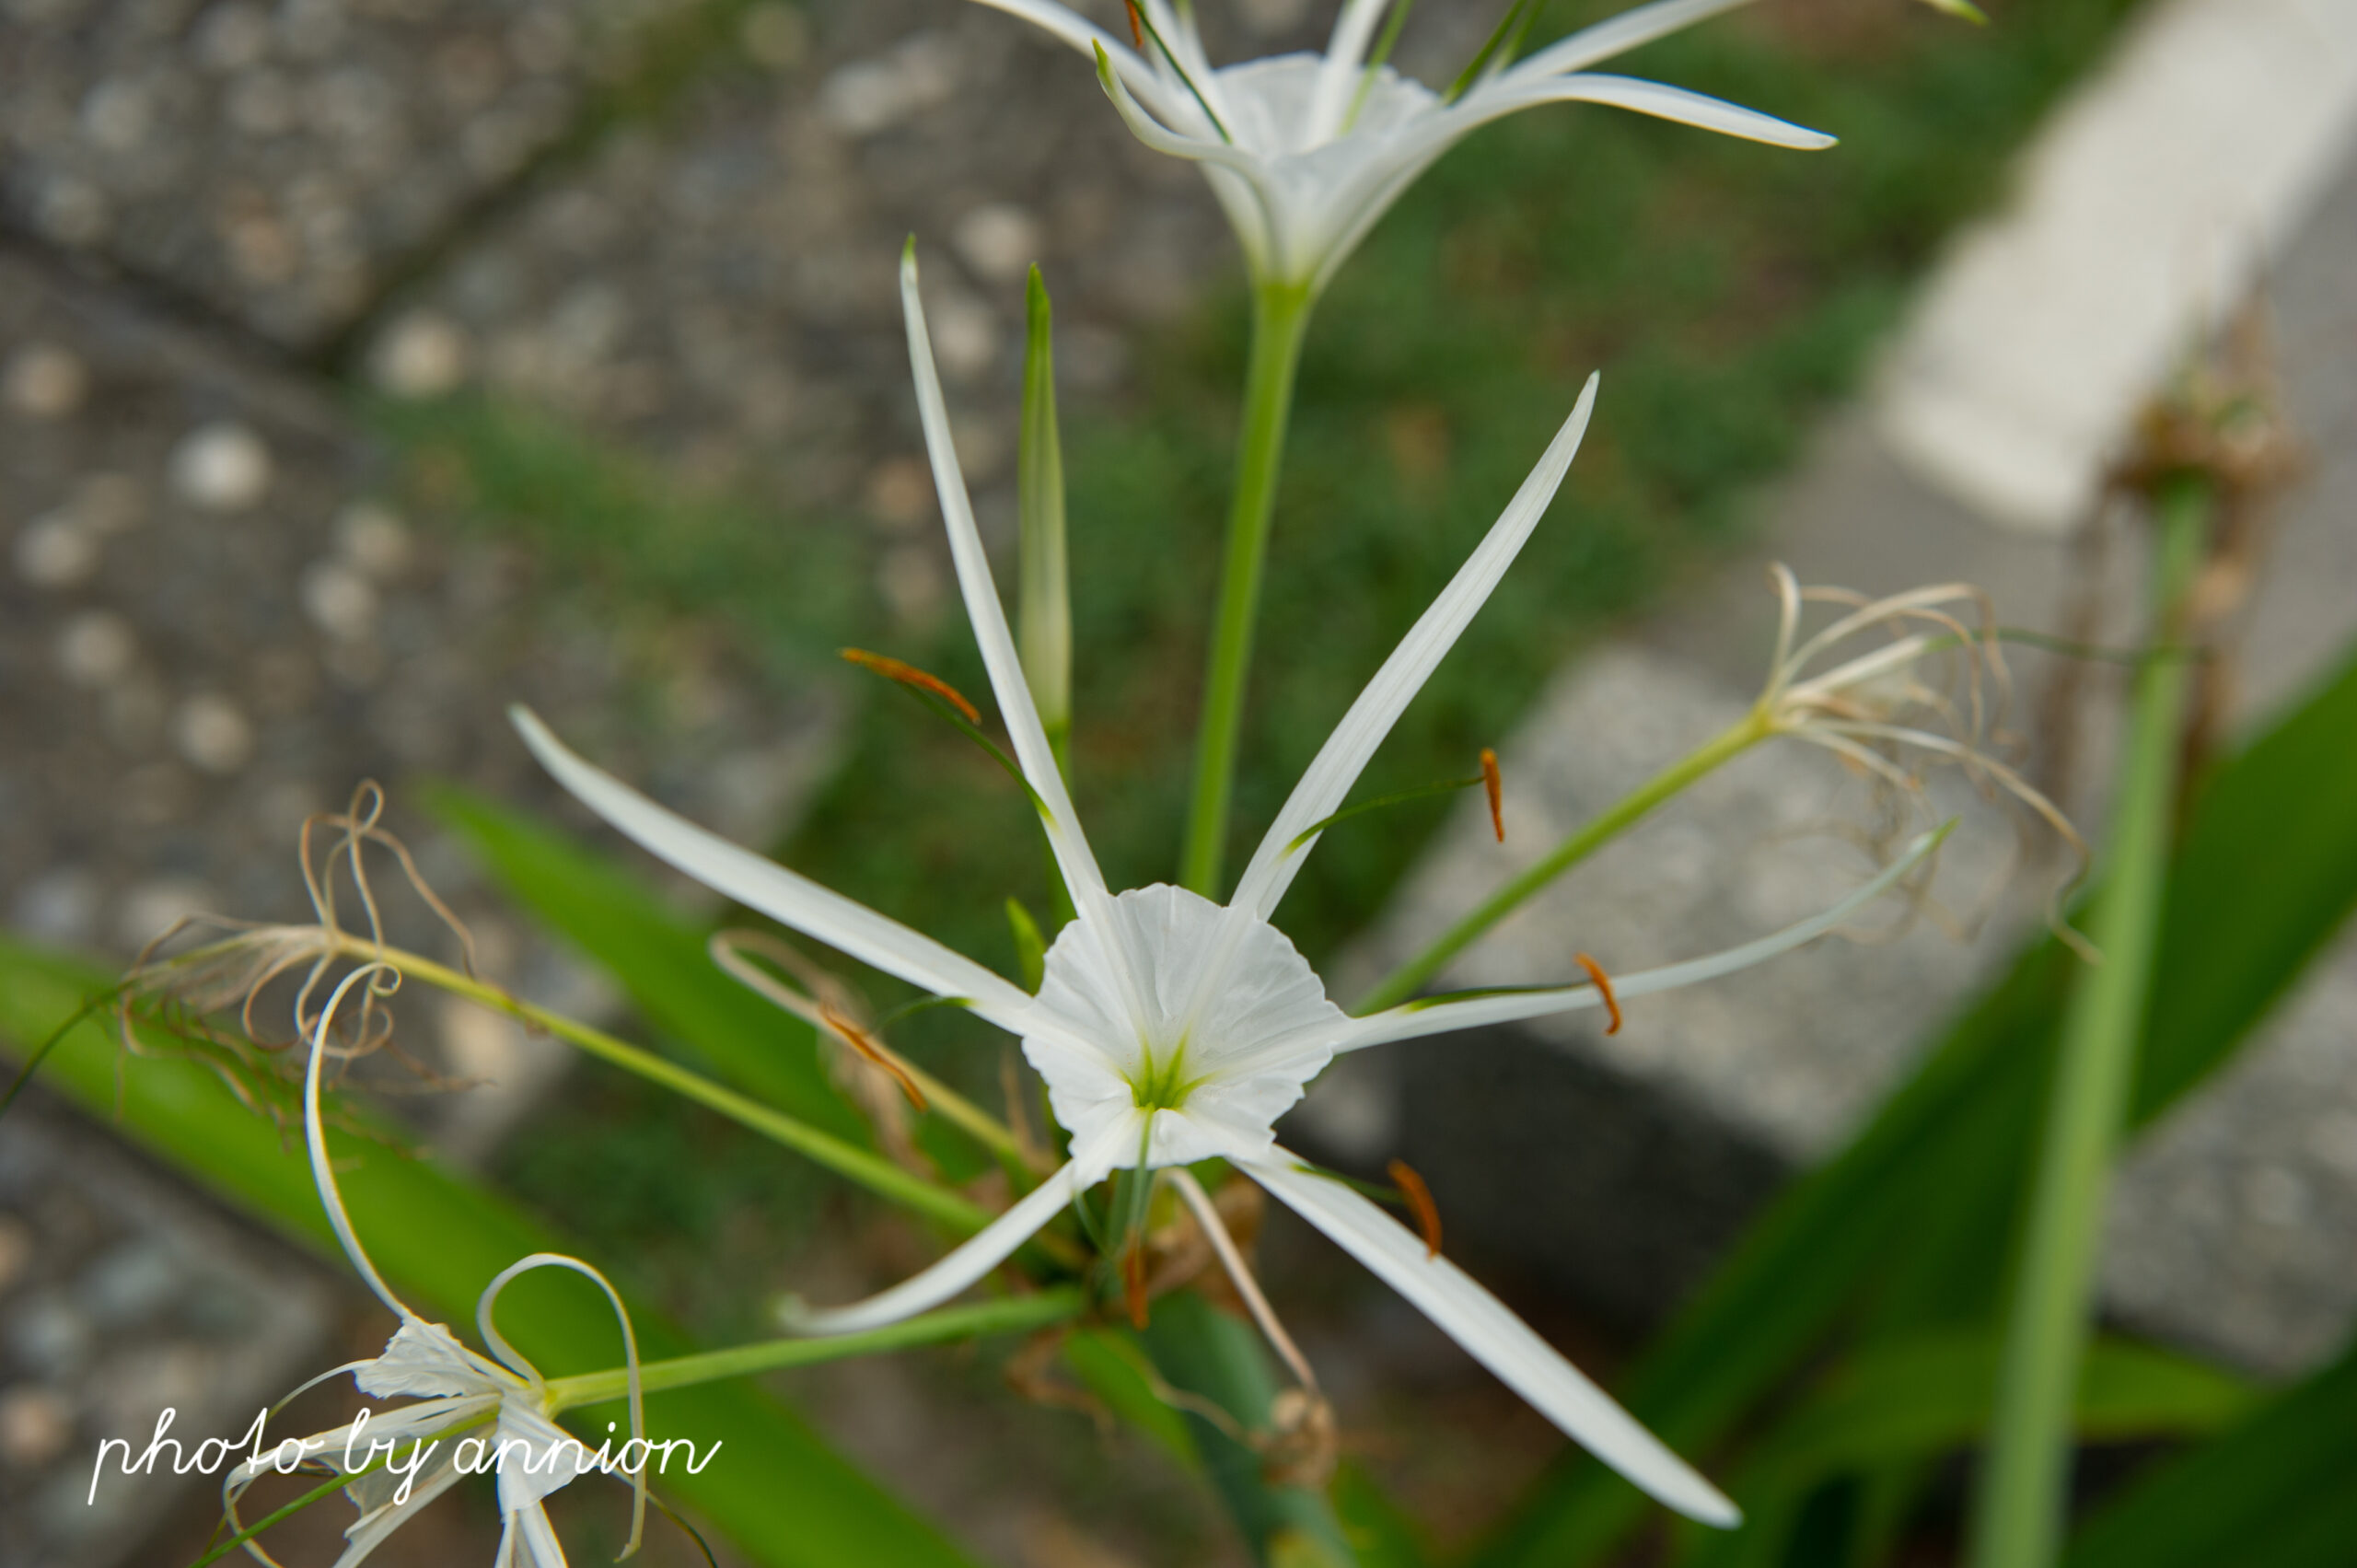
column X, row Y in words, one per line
column 1412, row 1020
column 1338, row 77
column 988, row 616
column 375, row 1526
column 540, row 1547
column 972, row 1258
column 315, row 1143
column 423, row 1360
column 1495, row 1337
column 534, row 1457
column 1244, row 192
column 1504, row 98
column 1614, row 35
column 1338, row 763
column 1069, row 26
column 770, row 887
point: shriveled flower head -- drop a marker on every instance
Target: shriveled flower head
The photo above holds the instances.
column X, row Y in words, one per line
column 468, row 1413
column 1306, row 151
column 1170, row 1029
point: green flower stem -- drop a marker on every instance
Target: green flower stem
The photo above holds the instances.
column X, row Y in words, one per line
column 1280, row 316
column 1008, row 1315
column 848, row 1160
column 1403, row 983
column 2018, row 1514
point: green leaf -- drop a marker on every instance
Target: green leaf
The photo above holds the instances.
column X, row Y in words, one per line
column 1912, row 1219
column 622, row 927
column 1381, row 1535
column 1115, row 1370
column 2272, row 1493
column 1924, row 1395
column 775, row 1488
column 1030, row 947
column 1203, row 1352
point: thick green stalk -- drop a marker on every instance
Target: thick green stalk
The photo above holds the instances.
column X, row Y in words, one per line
column 2018, row 1514
column 1280, row 316
column 1008, row 1315
column 1401, row 983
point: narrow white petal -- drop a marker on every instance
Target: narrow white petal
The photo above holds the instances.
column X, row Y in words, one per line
column 1412, row 1020
column 988, row 616
column 978, row 1254
column 1338, row 77
column 1616, row 35
column 370, row 1532
column 1067, row 25
column 540, row 1547
column 770, row 887
column 1506, row 98
column 315, row 1141
column 1495, row 1337
column 1338, row 761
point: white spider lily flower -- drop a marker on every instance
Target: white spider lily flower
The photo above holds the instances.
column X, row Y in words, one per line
column 471, row 1413
column 1169, row 1029
column 1306, row 151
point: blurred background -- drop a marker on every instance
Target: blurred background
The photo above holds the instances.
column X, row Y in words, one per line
column 366, row 366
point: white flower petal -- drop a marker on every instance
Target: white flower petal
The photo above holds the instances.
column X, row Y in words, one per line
column 770, row 887
column 1338, row 761
column 1069, row 26
column 1617, row 35
column 534, row 1457
column 423, row 1360
column 1627, row 92
column 1412, row 1020
column 988, row 616
column 1339, row 74
column 1242, row 186
column 1495, row 1337
column 972, row 1258
column 540, row 1547
column 377, row 1524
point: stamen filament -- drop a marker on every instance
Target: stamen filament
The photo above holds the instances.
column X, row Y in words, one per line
column 1602, row 988
column 1140, row 21
column 1420, row 1199
column 907, row 674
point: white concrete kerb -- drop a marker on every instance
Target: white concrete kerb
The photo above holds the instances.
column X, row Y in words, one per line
column 2147, row 207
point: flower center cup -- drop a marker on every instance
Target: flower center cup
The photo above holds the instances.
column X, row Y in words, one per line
column 1207, row 1024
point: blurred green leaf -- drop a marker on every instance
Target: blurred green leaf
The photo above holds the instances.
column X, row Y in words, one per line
column 1381, row 1535
column 775, row 1488
column 1921, row 1397
column 622, row 927
column 1110, row 1363
column 1914, row 1216
column 2275, row 1492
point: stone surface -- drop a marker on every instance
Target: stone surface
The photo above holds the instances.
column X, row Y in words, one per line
column 280, row 163
column 122, row 1293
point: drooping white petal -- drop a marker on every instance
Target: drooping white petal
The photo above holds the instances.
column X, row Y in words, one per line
column 315, row 1142
column 486, row 1320
column 972, row 1258
column 540, row 1547
column 1339, row 763
column 1616, row 35
column 378, row 1520
column 1495, row 1337
column 422, row 1361
column 992, row 632
column 534, row 1455
column 1412, row 1020
column 770, row 887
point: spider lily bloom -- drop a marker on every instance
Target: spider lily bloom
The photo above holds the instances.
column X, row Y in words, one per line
column 471, row 1413
column 1170, row 1029
column 1306, row 151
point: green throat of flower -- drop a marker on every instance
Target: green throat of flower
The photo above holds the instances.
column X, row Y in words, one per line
column 1163, row 1085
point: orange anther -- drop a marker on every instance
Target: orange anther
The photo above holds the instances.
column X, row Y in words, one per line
column 1137, row 36
column 1496, row 786
column 1133, row 1283
column 909, row 675
column 867, row 1045
column 1420, row 1203
column 1604, row 988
